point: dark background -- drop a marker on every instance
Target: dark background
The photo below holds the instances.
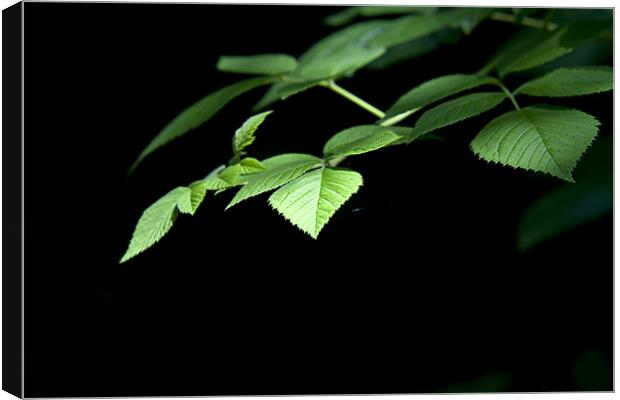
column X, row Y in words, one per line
column 414, row 286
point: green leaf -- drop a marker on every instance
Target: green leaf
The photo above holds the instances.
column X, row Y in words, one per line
column 340, row 53
column 343, row 17
column 236, row 174
column 521, row 13
column 214, row 182
column 198, row 191
column 408, row 28
column 280, row 170
column 467, row 19
column 407, row 135
column 261, row 64
column 244, row 136
column 184, row 202
column 271, row 96
column 359, row 140
column 537, row 139
column 406, row 51
column 533, row 47
column 343, row 52
column 415, row 48
column 349, row 14
column 284, row 159
column 283, row 90
column 352, row 48
column 564, row 82
column 540, row 48
column 454, row 111
column 250, row 165
column 199, row 113
column 309, row 201
column 434, row 90
column 562, row 210
column 411, row 27
column 579, row 32
column 516, row 45
column 572, row 205
column 157, row 220
column 567, row 15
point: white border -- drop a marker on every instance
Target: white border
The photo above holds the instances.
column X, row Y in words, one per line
column 504, row 3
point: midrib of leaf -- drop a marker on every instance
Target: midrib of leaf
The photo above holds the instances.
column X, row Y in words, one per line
column 542, row 139
column 309, row 201
column 317, row 200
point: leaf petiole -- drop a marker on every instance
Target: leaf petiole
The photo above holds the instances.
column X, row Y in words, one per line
column 330, row 84
column 508, row 93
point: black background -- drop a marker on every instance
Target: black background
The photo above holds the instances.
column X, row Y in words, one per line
column 414, row 285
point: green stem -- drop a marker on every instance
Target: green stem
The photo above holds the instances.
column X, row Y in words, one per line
column 397, row 118
column 526, row 21
column 335, row 161
column 508, row 93
column 353, row 98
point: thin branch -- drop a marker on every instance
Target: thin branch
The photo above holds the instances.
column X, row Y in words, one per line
column 508, row 93
column 353, row 98
column 526, row 21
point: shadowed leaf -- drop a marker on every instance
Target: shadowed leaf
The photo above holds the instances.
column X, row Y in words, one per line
column 565, row 82
column 199, row 113
column 261, row 64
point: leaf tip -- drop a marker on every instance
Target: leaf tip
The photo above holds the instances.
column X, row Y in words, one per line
column 133, row 167
column 126, row 257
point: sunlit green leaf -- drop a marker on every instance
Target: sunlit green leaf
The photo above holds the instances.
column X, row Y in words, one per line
column 236, row 174
column 537, row 139
column 280, row 170
column 358, row 140
column 244, row 136
column 214, row 182
column 309, row 201
column 157, row 220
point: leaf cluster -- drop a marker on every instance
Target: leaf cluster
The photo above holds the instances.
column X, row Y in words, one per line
column 309, row 189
